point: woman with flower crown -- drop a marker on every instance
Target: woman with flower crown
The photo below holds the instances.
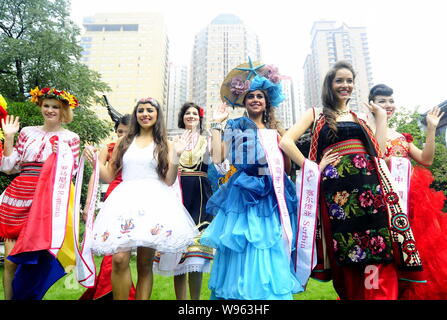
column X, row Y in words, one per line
column 34, row 145
column 364, row 240
column 255, row 210
column 142, row 212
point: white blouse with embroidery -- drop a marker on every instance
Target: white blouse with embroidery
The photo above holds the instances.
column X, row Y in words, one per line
column 34, row 145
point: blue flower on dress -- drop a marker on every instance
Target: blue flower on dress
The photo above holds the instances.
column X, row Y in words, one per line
column 337, row 212
column 357, row 254
column 330, row 172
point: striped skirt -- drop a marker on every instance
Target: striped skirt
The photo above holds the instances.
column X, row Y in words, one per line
column 16, row 200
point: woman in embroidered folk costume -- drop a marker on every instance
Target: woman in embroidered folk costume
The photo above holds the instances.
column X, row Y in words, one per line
column 428, row 221
column 357, row 201
column 256, row 209
column 103, row 284
column 34, row 145
column 142, row 212
column 195, row 192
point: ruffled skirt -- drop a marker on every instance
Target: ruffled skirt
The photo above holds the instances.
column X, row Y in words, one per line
column 250, row 262
column 142, row 213
column 429, row 224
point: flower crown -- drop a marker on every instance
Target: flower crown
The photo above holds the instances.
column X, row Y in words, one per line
column 53, row 93
column 150, row 100
column 250, row 77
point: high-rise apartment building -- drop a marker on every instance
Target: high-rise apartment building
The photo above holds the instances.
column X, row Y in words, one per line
column 225, row 43
column 177, row 95
column 285, row 111
column 329, row 45
column 130, row 51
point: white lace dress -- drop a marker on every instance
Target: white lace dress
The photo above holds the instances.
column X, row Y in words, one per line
column 142, row 211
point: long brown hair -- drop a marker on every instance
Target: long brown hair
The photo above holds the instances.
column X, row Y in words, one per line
column 159, row 135
column 329, row 98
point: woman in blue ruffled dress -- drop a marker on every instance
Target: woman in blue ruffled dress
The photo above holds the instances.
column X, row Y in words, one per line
column 253, row 226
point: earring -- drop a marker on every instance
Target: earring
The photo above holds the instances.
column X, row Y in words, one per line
column 265, row 116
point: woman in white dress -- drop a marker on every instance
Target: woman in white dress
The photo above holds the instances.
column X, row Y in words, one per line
column 142, row 212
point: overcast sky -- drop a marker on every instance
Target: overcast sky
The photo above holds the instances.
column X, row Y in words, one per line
column 407, row 39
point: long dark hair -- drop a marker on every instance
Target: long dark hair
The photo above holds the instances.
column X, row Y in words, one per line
column 159, row 134
column 329, row 98
column 181, row 114
column 268, row 116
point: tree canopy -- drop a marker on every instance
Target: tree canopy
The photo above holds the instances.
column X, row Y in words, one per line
column 39, row 47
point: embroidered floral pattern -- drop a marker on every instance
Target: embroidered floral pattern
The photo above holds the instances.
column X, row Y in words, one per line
column 366, row 199
column 355, row 201
column 330, row 172
column 370, row 245
column 156, row 229
column 341, row 198
column 398, row 147
column 359, row 161
column 127, row 226
column 105, row 236
column 336, row 211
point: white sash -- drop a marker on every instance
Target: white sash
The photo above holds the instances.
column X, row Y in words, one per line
column 85, row 264
column 307, row 186
column 400, row 168
column 177, row 188
column 61, row 195
column 275, row 160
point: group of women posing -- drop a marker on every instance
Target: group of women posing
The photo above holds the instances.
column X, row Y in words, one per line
column 362, row 220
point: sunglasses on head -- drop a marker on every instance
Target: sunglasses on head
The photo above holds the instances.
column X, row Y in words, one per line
column 150, row 100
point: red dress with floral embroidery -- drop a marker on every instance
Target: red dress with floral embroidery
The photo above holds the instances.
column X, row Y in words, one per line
column 429, row 225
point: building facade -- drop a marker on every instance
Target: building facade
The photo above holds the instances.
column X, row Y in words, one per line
column 329, row 45
column 225, row 43
column 285, row 111
column 177, row 95
column 130, row 51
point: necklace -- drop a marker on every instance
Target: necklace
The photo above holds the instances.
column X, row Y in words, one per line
column 342, row 113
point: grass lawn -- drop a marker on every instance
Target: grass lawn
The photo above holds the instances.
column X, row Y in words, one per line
column 67, row 288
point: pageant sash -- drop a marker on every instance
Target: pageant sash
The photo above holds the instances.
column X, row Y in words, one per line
column 275, row 161
column 61, row 193
column 177, row 188
column 406, row 253
column 400, row 168
column 307, row 186
column 85, row 264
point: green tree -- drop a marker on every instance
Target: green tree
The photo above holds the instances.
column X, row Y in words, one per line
column 39, row 47
column 409, row 122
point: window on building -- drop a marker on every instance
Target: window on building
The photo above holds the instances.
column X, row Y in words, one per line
column 94, row 27
column 112, row 27
column 130, row 27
